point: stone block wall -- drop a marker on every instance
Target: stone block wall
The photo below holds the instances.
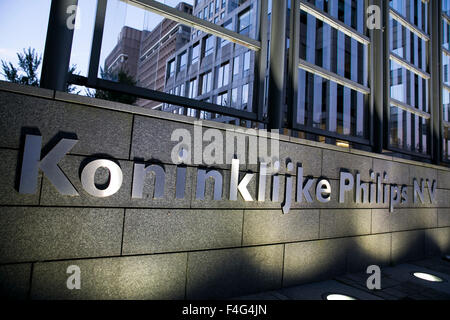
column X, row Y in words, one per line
column 172, row 248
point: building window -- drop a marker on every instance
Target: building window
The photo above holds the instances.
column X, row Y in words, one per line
column 229, row 26
column 244, row 23
column 211, row 10
column 182, row 58
column 191, row 112
column 206, row 82
column 408, row 131
column 446, row 34
column 333, row 93
column 195, row 53
column 414, row 11
column 407, row 45
column 222, row 99
column 193, row 88
column 236, row 67
column 408, row 87
column 208, row 45
column 326, row 105
column 331, row 49
column 350, row 12
column 223, row 75
column 244, row 95
column 247, row 61
column 446, row 143
column 171, row 68
column 217, row 6
column 224, row 3
column 205, row 13
column 234, row 98
column 409, row 114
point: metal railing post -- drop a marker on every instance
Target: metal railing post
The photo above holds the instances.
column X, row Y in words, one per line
column 380, row 85
column 58, row 45
column 277, row 64
column 436, row 126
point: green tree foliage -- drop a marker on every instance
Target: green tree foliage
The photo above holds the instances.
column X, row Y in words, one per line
column 26, row 71
column 121, row 77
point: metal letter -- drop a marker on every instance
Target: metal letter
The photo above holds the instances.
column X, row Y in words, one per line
column 404, row 194
column 288, row 193
column 262, row 182
column 140, row 172
column 361, row 187
column 303, row 191
column 242, row 186
column 181, row 182
column 48, row 165
column 323, row 188
column 379, row 190
column 418, row 191
column 201, row 182
column 395, row 192
column 432, row 190
column 88, row 178
column 346, row 184
column 275, row 181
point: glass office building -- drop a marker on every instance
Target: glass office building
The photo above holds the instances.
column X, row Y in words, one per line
column 372, row 75
column 213, row 69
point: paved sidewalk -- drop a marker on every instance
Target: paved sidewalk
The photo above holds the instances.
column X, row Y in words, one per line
column 397, row 283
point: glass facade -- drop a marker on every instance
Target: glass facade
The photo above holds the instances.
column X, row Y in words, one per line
column 407, row 45
column 350, row 12
column 331, row 93
column 326, row 105
column 409, row 114
column 414, row 11
column 446, row 79
column 225, row 70
column 333, row 83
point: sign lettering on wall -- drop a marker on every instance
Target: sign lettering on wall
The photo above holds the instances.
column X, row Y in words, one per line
column 307, row 190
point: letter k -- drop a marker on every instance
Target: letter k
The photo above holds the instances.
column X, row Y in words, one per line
column 49, row 165
column 242, row 186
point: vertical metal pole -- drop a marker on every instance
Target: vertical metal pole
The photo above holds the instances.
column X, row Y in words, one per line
column 277, row 64
column 387, row 74
column 380, row 91
column 294, row 53
column 435, row 18
column 261, row 58
column 96, row 47
column 58, row 45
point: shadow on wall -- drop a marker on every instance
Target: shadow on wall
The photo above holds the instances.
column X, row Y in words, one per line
column 237, row 272
column 233, row 272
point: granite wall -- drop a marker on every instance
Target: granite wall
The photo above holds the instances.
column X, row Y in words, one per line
column 172, row 248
